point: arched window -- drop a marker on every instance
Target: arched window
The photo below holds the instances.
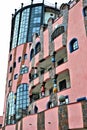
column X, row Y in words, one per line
column 25, row 56
column 10, row 112
column 38, row 48
column 58, row 31
column 22, row 100
column 73, row 45
column 32, row 54
column 85, row 11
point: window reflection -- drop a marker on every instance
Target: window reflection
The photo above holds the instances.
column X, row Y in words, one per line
column 22, row 100
column 10, row 109
column 23, row 26
column 73, row 45
column 38, row 48
column 35, row 21
column 15, row 35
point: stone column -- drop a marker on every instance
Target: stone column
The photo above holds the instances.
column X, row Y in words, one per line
column 41, row 121
column 63, row 117
column 84, row 112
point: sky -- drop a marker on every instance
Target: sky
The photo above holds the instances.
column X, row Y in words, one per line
column 6, row 10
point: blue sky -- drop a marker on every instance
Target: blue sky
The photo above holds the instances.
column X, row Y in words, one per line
column 6, row 9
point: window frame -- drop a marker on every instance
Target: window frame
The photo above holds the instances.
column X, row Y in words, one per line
column 32, row 54
column 37, row 48
column 72, row 44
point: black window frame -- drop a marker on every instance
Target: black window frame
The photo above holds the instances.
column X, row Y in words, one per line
column 62, row 85
column 72, row 45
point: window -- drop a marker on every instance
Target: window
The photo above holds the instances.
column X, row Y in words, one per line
column 10, row 69
column 19, row 59
column 24, row 70
column 58, row 31
column 35, row 30
column 38, row 48
column 73, row 45
column 62, row 85
column 15, row 31
column 37, row 9
column 25, row 56
column 0, row 125
column 10, row 112
column 60, row 62
column 23, row 26
column 32, row 54
column 15, row 76
column 10, row 58
column 37, row 20
column 42, row 71
column 85, row 11
column 10, row 83
column 14, row 65
column 22, row 100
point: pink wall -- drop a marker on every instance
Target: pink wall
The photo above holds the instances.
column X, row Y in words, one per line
column 46, row 43
column 51, row 119
column 30, row 122
column 18, row 66
column 77, row 60
column 1, row 119
column 58, row 43
column 10, row 127
column 42, row 103
column 75, row 118
column 58, row 21
column 76, row 64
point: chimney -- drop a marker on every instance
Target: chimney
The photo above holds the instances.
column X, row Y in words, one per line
column 22, row 5
column 43, row 1
column 55, row 5
column 31, row 2
column 12, row 15
column 15, row 10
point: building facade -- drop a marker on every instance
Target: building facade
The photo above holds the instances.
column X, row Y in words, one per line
column 47, row 73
